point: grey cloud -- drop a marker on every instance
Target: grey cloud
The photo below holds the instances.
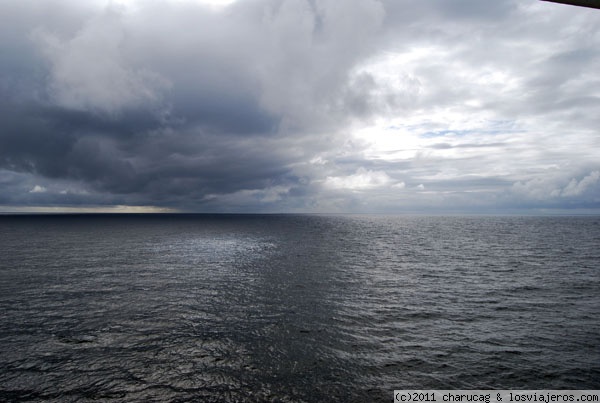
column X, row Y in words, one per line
column 253, row 107
column 440, row 12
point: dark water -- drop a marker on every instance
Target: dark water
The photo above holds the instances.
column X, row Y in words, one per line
column 294, row 308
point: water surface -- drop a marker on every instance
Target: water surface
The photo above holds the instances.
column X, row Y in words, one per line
column 294, row 308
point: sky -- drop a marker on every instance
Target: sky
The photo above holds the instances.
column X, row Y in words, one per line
column 299, row 106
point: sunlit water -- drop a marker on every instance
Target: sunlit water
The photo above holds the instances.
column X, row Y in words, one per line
column 294, row 308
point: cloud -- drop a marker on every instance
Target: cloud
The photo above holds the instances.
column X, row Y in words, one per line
column 38, row 189
column 557, row 187
column 575, row 188
column 299, row 105
column 90, row 72
column 362, row 179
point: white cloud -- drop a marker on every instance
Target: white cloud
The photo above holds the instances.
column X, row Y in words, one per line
column 362, row 179
column 211, row 3
column 90, row 70
column 557, row 185
column 576, row 188
column 38, row 189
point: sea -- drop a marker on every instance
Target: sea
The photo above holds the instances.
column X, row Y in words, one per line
column 294, row 308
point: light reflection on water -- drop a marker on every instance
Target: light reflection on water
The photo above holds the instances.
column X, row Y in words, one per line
column 295, row 308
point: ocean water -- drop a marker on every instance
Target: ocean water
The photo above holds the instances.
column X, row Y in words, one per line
column 294, row 308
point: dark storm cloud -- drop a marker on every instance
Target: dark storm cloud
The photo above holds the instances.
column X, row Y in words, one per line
column 131, row 155
column 171, row 102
